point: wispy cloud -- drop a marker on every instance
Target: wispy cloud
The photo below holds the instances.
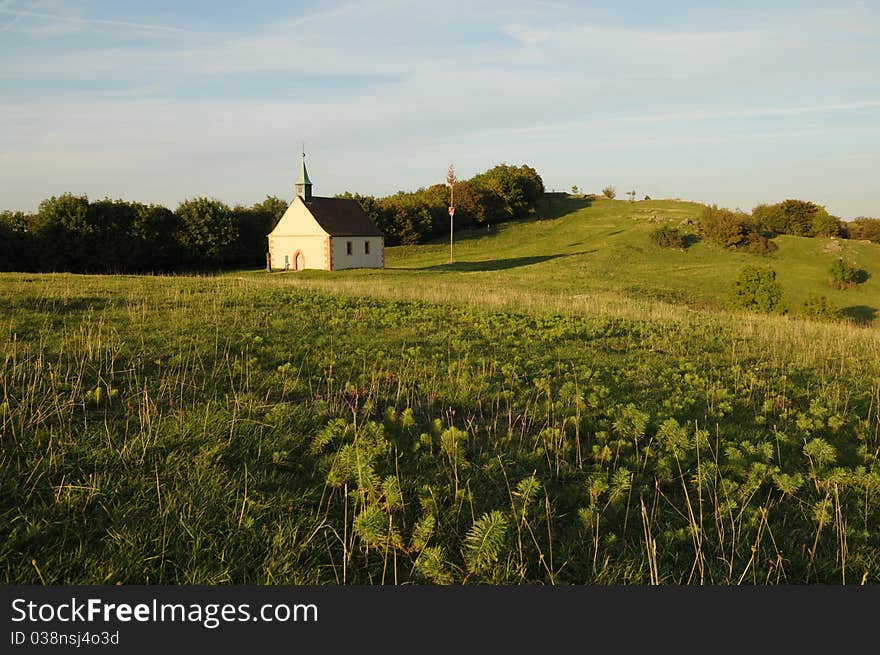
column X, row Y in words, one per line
column 16, row 15
column 66, row 22
column 347, row 10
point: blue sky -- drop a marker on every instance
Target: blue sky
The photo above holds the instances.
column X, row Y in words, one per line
column 732, row 103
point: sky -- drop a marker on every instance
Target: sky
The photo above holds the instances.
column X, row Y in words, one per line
column 730, row 103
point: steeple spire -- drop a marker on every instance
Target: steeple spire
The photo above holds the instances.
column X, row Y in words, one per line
column 304, row 184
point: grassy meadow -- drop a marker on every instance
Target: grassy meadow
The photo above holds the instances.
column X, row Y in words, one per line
column 564, row 404
column 596, row 254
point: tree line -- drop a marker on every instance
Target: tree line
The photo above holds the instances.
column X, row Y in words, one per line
column 71, row 233
column 502, row 193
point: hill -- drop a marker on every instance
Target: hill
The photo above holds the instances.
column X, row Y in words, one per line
column 581, row 252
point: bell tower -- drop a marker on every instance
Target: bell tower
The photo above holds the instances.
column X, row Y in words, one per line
column 304, row 184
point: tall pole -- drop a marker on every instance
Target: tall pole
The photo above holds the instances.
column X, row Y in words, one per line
column 451, row 213
column 450, row 180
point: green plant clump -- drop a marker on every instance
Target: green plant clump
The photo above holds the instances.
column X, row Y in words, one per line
column 845, row 276
column 667, row 236
column 757, row 290
column 818, row 307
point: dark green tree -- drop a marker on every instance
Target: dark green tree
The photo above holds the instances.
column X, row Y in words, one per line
column 62, row 233
column 519, row 188
column 111, row 237
column 757, row 290
column 15, row 241
column 254, row 225
column 273, row 206
column 209, row 231
column 157, row 232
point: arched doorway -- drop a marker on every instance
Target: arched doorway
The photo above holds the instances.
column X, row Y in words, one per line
column 299, row 262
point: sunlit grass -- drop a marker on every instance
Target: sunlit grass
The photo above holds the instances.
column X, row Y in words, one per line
column 565, row 403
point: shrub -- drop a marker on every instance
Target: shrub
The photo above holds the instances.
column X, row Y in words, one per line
column 729, row 229
column 609, row 192
column 759, row 244
column 758, row 290
column 844, row 276
column 798, row 217
column 734, row 229
column 819, row 308
column 668, row 237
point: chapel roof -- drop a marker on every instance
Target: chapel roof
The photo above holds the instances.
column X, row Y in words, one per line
column 342, row 217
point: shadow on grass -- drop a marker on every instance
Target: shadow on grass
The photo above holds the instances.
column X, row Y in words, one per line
column 859, row 314
column 494, row 264
column 556, row 205
column 689, row 240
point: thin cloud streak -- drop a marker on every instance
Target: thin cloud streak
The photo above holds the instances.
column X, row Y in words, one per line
column 647, row 119
column 18, row 15
column 99, row 22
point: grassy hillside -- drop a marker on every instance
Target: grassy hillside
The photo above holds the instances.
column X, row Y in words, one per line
column 529, row 414
column 592, row 253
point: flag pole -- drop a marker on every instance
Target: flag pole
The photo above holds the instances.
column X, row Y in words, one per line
column 450, row 180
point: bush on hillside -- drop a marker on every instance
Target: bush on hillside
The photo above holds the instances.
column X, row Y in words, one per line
column 609, row 192
column 759, row 244
column 667, row 236
column 845, row 276
column 796, row 217
column 757, row 289
column 734, row 229
column 819, row 308
column 727, row 228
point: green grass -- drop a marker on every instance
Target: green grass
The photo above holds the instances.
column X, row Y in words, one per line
column 526, row 415
column 601, row 249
